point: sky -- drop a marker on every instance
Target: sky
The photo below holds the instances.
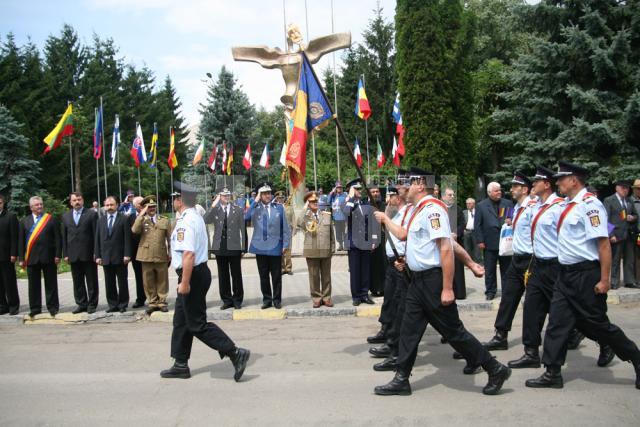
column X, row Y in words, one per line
column 188, row 38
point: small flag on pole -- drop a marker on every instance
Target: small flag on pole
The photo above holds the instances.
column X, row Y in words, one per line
column 363, row 110
column 395, row 155
column 283, row 154
column 397, row 118
column 199, row 153
column 154, row 146
column 116, row 140
column 246, row 160
column 380, row 156
column 230, row 161
column 224, row 158
column 212, row 158
column 172, row 160
column 357, row 154
column 62, row 129
column 138, row 152
column 264, row 159
column 97, row 135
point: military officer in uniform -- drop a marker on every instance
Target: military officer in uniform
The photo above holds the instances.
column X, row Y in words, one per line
column 318, row 249
column 513, row 284
column 154, row 253
column 430, row 298
column 229, row 244
column 580, row 295
column 189, row 255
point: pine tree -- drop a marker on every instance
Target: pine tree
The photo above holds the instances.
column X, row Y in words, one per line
column 18, row 173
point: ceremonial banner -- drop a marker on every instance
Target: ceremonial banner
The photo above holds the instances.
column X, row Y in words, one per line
column 62, row 129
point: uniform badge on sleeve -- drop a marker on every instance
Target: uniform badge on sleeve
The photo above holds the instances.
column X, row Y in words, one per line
column 595, row 220
column 435, row 223
column 180, row 234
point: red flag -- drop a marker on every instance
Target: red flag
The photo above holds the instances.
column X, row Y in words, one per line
column 246, row 160
column 395, row 153
column 212, row 158
column 357, row 154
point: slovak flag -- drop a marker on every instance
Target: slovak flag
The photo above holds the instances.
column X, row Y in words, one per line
column 356, row 153
column 137, row 149
column 395, row 154
column 246, row 160
column 264, row 159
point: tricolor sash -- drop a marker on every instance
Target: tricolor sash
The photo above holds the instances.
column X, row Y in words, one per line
column 34, row 234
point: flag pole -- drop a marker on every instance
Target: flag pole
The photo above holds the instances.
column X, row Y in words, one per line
column 118, row 160
column 73, row 186
column 95, row 115
column 366, row 133
column 104, row 161
column 335, row 99
column 358, row 169
column 138, row 167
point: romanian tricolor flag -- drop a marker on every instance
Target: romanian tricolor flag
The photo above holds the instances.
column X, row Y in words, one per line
column 311, row 111
column 34, row 234
column 363, row 110
column 153, row 151
column 62, row 129
column 172, row 160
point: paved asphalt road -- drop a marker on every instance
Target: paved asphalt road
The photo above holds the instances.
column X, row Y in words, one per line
column 310, row 371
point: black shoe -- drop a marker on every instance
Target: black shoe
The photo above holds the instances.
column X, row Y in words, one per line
column 150, row 310
column 164, row 309
column 237, row 305
column 239, row 358
column 490, row 297
column 547, row 380
column 137, row 304
column 123, row 309
column 498, row 342
column 4, row 311
column 575, row 339
column 399, row 385
column 388, row 364
column 457, row 355
column 277, row 305
column 381, row 352
column 530, row 359
column 290, row 273
column 226, row 305
column 380, row 337
column 632, row 285
column 606, row 355
column 79, row 310
column 356, row 302
column 177, row 371
column 470, row 369
column 266, row 305
column 112, row 309
column 34, row 313
column 14, row 312
column 498, row 374
column 53, row 313
column 368, row 300
column 91, row 310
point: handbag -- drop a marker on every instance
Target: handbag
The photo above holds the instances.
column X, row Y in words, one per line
column 505, row 247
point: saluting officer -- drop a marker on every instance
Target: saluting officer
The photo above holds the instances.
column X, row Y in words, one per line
column 189, row 255
column 154, row 253
column 513, row 284
column 430, row 298
column 580, row 295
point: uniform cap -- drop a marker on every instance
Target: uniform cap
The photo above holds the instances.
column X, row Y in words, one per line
column 520, row 179
column 566, row 169
column 392, row 191
column 149, row 201
column 225, row 192
column 543, row 173
column 311, row 196
column 355, row 183
column 264, row 187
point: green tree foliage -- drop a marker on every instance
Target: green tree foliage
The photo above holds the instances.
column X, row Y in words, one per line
column 434, row 42
column 576, row 92
column 18, row 173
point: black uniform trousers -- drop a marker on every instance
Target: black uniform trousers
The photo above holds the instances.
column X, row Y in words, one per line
column 270, row 265
column 359, row 272
column 512, row 291
column 117, row 295
column 399, row 296
column 544, row 273
column 141, row 297
column 9, row 297
column 226, row 264
column 85, row 296
column 575, row 304
column 422, row 307
column 34, row 273
column 190, row 319
column 490, row 277
column 388, row 309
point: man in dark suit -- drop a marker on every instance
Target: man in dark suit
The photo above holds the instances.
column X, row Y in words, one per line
column 78, row 232
column 40, row 248
column 141, row 297
column 113, row 253
column 491, row 214
column 622, row 214
column 469, row 239
column 229, row 244
column 363, row 236
column 9, row 298
column 456, row 223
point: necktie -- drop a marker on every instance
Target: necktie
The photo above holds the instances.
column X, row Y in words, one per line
column 76, row 217
column 265, row 225
column 110, row 226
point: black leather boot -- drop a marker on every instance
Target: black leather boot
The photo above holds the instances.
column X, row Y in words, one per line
column 531, row 359
column 383, row 351
column 606, row 355
column 388, row 364
column 178, row 370
column 471, row 369
column 399, row 385
column 239, row 358
column 575, row 338
column 380, row 337
column 498, row 374
column 552, row 378
column 457, row 355
column 498, row 342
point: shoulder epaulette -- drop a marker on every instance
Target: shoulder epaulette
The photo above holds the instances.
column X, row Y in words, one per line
column 441, row 204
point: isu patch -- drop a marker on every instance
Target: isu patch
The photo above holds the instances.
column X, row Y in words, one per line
column 435, row 223
column 595, row 220
column 180, row 234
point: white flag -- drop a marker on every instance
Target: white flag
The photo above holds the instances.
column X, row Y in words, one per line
column 116, row 140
